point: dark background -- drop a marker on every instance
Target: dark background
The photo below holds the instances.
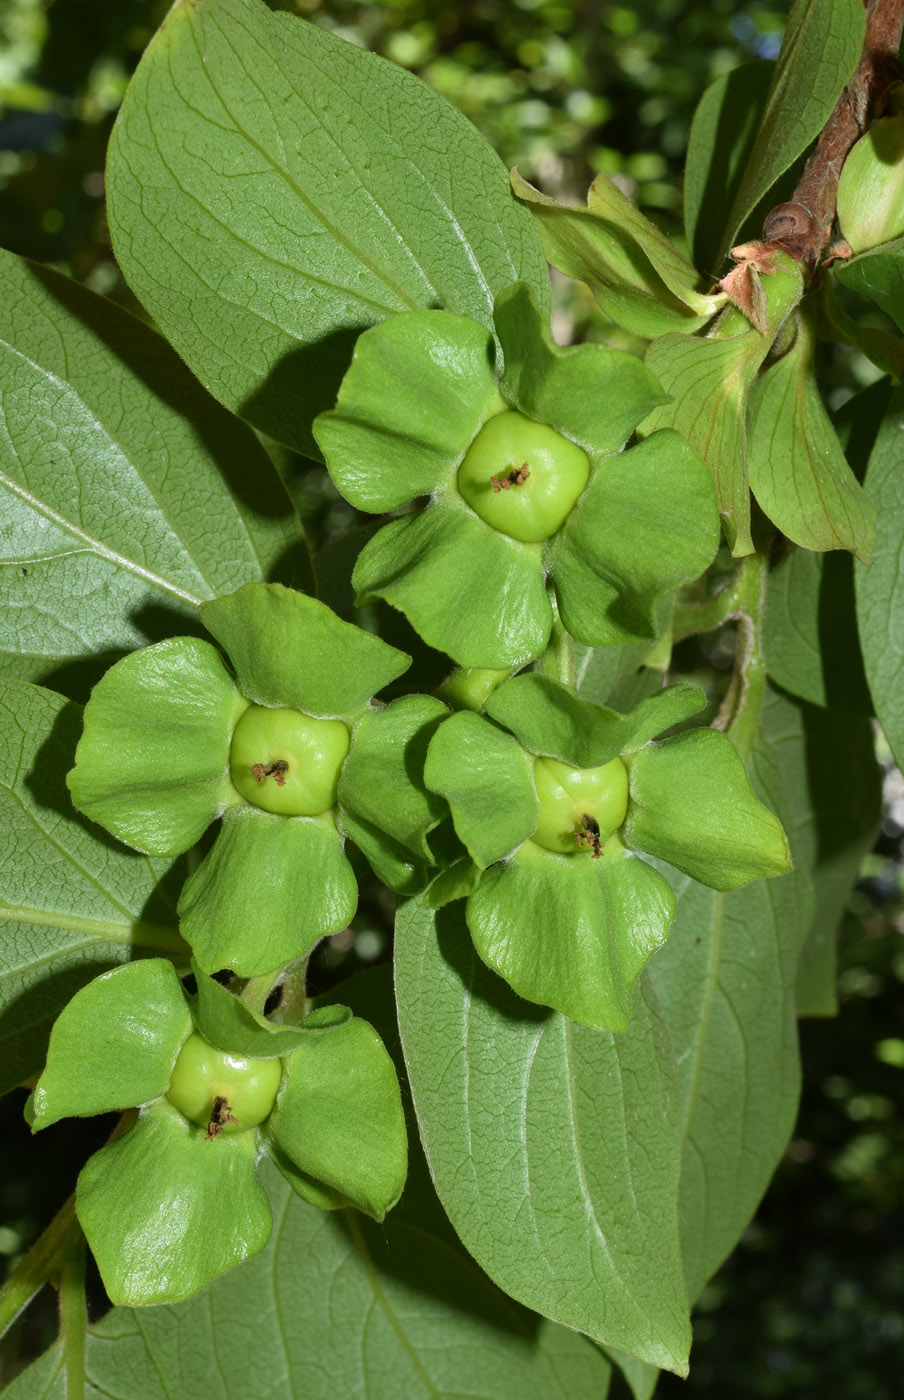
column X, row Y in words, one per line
column 812, row 1301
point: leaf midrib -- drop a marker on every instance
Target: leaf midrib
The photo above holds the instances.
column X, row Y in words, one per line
column 69, row 527
column 135, row 932
column 380, row 1299
column 355, row 253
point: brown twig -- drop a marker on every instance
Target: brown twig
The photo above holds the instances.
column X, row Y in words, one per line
column 804, row 225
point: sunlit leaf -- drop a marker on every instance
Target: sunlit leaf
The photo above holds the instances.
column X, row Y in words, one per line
column 820, row 50
column 114, row 466
column 553, row 1147
column 271, row 195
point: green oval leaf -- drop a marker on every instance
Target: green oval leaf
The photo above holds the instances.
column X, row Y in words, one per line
column 465, row 588
column 709, row 379
column 810, row 630
column 725, row 982
column 382, row 782
column 638, row 277
column 722, row 135
column 797, row 468
column 113, row 463
column 553, row 1147
column 418, row 388
column 594, row 395
column 692, row 804
column 270, row 196
column 548, row 718
column 646, row 523
column 879, row 275
column 487, row 779
column 572, row 932
column 820, row 50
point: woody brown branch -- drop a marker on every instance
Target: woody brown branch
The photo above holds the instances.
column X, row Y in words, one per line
column 803, row 226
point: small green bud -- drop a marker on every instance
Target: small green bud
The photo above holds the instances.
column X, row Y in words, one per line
column 580, row 808
column 224, row 1093
column 871, row 188
column 522, row 477
column 287, row 762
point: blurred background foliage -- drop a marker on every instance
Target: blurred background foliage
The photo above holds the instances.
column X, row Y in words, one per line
column 813, row 1298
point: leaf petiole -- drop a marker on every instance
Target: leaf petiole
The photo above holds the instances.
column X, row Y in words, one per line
column 558, row 660
column 741, row 601
column 45, row 1262
column 74, row 1318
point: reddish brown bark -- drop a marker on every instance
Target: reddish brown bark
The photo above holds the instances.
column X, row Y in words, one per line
column 804, row 226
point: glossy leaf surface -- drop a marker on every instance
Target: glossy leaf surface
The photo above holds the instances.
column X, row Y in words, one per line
column 382, row 782
column 418, row 388
column 709, row 380
column 289, row 649
column 692, row 805
column 152, row 762
column 339, row 1117
column 114, row 1044
column 820, row 50
column 546, row 717
column 797, row 468
column 646, row 523
column 270, row 197
column 487, row 779
column 722, row 135
column 572, row 932
column 594, row 395
column 269, row 889
column 166, row 1209
column 435, row 565
column 424, row 1319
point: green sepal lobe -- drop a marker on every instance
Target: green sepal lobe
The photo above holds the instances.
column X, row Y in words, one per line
column 114, row 1044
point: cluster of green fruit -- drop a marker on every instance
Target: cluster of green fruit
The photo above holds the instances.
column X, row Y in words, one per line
column 534, row 805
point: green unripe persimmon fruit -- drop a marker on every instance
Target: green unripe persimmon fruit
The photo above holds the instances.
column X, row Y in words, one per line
column 522, row 477
column 224, row 1093
column 580, row 808
column 287, row 762
column 871, row 188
